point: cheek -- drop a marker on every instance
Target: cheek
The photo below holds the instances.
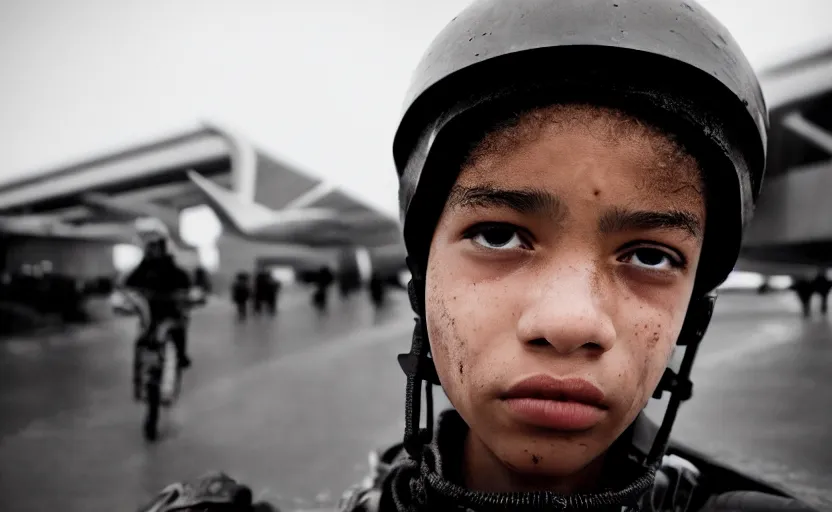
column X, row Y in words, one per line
column 448, row 346
column 463, row 318
column 653, row 337
column 448, row 340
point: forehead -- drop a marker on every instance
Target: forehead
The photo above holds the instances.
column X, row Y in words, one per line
column 586, row 149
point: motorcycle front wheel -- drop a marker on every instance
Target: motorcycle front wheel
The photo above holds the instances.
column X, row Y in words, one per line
column 171, row 379
column 151, row 420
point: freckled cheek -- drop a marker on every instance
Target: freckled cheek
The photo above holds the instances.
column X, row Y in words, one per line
column 649, row 342
column 446, row 333
column 467, row 326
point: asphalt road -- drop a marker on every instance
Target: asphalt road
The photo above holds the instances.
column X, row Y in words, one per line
column 292, row 405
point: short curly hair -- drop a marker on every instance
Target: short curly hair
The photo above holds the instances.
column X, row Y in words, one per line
column 676, row 165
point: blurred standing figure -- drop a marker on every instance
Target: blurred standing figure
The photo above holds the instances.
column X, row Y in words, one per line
column 240, row 294
column 377, row 290
column 804, row 288
column 822, row 286
column 324, row 280
column 274, row 294
column 202, row 280
column 257, row 292
column 265, row 290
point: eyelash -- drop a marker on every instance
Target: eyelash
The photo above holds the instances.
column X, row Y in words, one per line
column 483, row 227
column 677, row 260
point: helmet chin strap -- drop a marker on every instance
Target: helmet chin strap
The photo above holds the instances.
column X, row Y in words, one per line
column 418, row 366
column 679, row 384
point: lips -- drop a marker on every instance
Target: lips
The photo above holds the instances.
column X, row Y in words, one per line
column 557, row 404
column 544, row 387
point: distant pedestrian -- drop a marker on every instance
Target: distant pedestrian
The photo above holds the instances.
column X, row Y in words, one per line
column 266, row 289
column 323, row 280
column 241, row 294
column 377, row 290
column 822, row 286
column 804, row 289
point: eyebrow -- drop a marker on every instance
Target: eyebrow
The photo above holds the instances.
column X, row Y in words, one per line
column 524, row 201
column 621, row 219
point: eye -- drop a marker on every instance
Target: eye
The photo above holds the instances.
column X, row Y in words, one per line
column 496, row 236
column 652, row 259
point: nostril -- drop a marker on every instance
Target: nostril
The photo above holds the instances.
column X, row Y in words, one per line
column 591, row 345
column 594, row 346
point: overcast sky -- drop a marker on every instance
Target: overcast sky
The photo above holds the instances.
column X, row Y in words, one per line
column 318, row 84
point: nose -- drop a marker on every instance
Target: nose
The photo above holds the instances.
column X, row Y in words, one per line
column 569, row 310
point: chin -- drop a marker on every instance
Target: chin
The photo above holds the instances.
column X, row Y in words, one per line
column 548, row 456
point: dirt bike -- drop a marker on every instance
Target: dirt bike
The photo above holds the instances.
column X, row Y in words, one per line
column 157, row 372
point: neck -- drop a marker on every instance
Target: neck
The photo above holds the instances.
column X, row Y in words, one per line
column 484, row 471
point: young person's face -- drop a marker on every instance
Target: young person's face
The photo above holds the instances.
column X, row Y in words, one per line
column 569, row 253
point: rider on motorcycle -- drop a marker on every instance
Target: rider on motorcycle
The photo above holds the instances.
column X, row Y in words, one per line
column 575, row 177
column 162, row 282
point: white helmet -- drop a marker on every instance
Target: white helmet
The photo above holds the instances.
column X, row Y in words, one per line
column 150, row 230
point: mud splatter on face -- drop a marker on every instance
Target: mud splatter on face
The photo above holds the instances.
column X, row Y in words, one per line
column 595, row 280
column 447, row 344
column 482, row 344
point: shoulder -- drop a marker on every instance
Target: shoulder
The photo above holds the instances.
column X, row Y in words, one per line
column 690, row 476
column 753, row 501
column 369, row 495
column 713, row 487
column 682, row 485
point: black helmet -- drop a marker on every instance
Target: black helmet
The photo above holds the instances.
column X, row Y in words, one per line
column 669, row 63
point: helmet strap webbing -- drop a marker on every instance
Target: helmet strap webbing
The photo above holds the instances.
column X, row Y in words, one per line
column 679, row 384
column 418, row 367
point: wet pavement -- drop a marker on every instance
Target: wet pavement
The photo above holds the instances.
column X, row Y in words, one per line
column 292, row 405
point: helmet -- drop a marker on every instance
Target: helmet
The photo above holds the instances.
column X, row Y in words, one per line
column 151, row 232
column 669, row 63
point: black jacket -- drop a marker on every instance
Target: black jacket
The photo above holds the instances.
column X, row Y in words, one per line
column 686, row 482
column 163, row 277
column 397, row 484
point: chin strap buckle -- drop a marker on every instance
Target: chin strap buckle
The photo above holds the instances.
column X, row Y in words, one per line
column 693, row 330
column 425, row 371
column 670, row 381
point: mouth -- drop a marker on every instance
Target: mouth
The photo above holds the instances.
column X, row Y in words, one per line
column 557, row 404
